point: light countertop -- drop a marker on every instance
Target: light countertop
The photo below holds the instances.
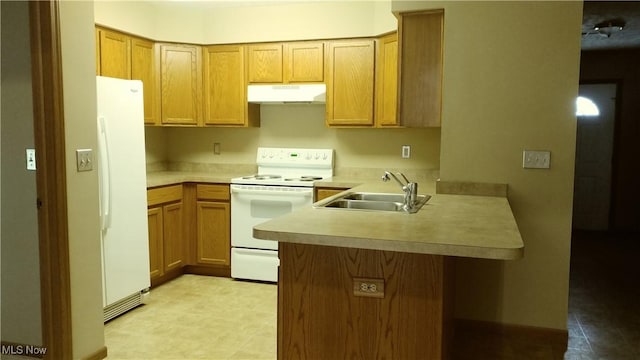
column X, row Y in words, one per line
column 452, row 225
column 163, row 178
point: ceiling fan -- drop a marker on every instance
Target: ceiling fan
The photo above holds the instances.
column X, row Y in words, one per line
column 606, row 28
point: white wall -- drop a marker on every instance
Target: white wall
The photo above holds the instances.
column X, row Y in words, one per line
column 511, row 73
column 20, row 283
column 79, row 85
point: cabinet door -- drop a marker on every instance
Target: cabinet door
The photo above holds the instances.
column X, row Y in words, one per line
column 143, row 67
column 420, row 82
column 304, row 62
column 173, row 233
column 225, row 86
column 323, row 193
column 387, row 81
column 214, row 240
column 350, row 83
column 265, row 63
column 114, row 54
column 97, row 33
column 181, row 84
column 156, row 267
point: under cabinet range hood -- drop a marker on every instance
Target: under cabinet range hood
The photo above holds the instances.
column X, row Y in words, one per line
column 283, row 94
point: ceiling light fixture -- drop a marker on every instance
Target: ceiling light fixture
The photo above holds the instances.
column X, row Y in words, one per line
column 606, row 28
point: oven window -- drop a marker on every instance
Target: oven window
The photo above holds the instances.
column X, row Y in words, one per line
column 269, row 209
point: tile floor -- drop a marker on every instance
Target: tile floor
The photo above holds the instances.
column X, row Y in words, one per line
column 199, row 317
column 604, row 297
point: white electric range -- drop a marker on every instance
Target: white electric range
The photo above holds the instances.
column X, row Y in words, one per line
column 284, row 182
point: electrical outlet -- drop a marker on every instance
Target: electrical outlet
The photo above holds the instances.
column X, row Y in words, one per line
column 406, row 151
column 216, row 148
column 536, row 159
column 84, row 160
column 368, row 287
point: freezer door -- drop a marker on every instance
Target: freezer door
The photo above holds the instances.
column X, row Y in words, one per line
column 123, row 189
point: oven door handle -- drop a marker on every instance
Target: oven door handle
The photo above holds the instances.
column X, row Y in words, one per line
column 242, row 191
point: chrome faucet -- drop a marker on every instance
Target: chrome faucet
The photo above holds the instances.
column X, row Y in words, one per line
column 409, row 188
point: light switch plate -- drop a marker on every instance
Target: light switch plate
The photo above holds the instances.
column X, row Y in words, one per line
column 84, row 159
column 31, row 159
column 536, row 159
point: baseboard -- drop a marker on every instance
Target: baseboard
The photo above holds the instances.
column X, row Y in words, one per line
column 169, row 275
column 505, row 334
column 98, row 355
column 222, row 271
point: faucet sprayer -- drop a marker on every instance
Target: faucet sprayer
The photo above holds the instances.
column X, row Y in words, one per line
column 410, row 189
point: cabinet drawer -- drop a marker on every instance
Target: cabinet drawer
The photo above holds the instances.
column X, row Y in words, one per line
column 212, row 192
column 164, row 195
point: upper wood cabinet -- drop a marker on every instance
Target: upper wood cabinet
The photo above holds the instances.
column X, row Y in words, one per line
column 303, row 61
column 420, row 37
column 144, row 68
column 291, row 62
column 128, row 57
column 265, row 63
column 181, row 84
column 114, row 58
column 350, row 82
column 225, row 88
column 387, row 81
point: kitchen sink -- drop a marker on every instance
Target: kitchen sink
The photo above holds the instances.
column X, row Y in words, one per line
column 373, row 201
column 375, row 197
column 365, row 205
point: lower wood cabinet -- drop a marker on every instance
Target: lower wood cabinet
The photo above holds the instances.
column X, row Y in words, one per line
column 156, row 263
column 323, row 193
column 214, row 223
column 166, row 232
column 324, row 312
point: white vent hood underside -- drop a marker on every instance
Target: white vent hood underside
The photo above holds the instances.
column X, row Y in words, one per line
column 281, row 94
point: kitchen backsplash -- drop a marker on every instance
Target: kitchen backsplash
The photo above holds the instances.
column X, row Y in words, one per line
column 293, row 125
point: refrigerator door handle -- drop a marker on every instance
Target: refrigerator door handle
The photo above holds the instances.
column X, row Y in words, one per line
column 105, row 182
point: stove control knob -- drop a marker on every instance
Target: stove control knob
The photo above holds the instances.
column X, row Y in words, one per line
column 308, row 156
column 271, row 155
column 324, row 156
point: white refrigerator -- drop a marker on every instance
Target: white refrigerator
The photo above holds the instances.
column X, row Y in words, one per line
column 123, row 195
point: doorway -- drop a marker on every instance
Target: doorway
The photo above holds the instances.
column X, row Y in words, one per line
column 594, row 158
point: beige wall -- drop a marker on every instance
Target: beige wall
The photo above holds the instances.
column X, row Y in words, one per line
column 216, row 22
column 21, row 316
column 78, row 69
column 510, row 82
column 304, row 126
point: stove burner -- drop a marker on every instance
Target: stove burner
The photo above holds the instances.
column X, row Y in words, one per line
column 262, row 177
column 304, row 178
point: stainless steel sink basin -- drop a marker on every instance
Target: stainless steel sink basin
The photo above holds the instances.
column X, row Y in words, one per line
column 375, row 197
column 372, row 201
column 365, row 205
